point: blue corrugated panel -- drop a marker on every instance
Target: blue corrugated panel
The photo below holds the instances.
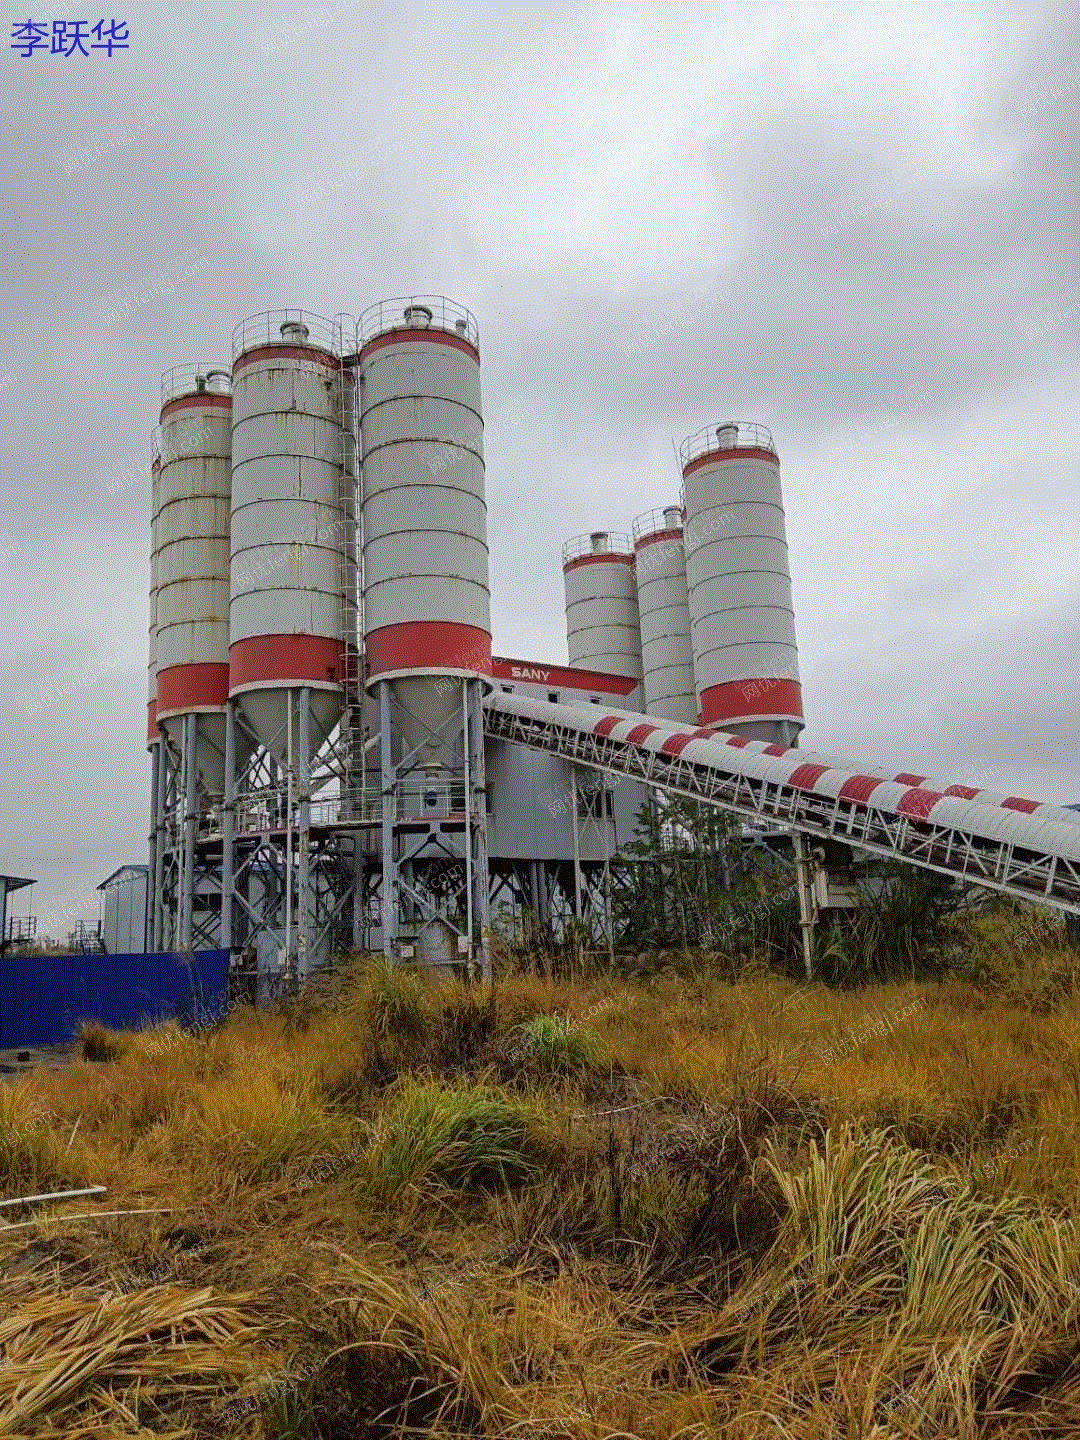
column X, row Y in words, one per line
column 43, row 997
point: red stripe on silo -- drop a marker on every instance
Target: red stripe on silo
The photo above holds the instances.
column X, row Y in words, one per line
column 284, row 660
column 613, row 557
column 741, row 452
column 918, row 803
column 965, row 792
column 750, row 699
column 805, row 777
column 191, row 687
column 656, row 535
column 196, row 401
column 907, row 778
column 775, row 750
column 639, row 732
column 429, row 645
column 285, row 352
column 1017, row 802
column 419, row 332
column 607, row 724
column 676, row 744
column 860, row 788
column 740, row 742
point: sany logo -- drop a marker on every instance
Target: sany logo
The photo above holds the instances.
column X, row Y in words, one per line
column 529, row 672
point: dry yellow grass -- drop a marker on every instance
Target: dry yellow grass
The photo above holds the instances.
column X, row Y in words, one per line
column 686, row 1208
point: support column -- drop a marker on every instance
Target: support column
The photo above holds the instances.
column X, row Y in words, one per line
column 228, row 826
column 151, row 867
column 304, row 898
column 481, row 885
column 159, row 852
column 806, row 899
column 358, row 890
column 187, row 871
column 389, row 904
column 577, row 869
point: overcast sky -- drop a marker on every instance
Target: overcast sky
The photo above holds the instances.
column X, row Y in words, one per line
column 857, row 225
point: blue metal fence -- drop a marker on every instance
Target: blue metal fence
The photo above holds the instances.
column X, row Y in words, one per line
column 43, row 997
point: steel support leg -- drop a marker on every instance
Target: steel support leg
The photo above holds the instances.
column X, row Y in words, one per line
column 228, row 826
column 304, row 897
column 806, row 899
column 481, row 885
column 389, row 799
column 190, row 813
column 158, row 877
column 152, row 840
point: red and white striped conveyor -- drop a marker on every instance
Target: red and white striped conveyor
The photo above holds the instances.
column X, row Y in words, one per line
column 1019, row 847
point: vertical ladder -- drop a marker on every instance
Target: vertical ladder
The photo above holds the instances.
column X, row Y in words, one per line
column 352, row 679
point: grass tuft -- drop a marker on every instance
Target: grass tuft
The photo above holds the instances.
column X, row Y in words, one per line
column 469, row 1139
column 558, row 1045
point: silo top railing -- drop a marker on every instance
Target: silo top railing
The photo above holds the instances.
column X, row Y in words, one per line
column 616, row 544
column 209, row 377
column 733, row 435
column 412, row 312
column 654, row 522
column 286, row 327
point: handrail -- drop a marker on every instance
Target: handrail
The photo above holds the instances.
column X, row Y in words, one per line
column 726, row 435
column 653, row 522
column 197, row 377
column 403, row 312
column 271, row 327
column 616, row 542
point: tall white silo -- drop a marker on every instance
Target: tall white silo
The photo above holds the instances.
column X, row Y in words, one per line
column 602, row 629
column 192, row 580
column 664, row 615
column 288, row 546
column 151, row 646
column 742, row 622
column 293, row 646
column 426, row 598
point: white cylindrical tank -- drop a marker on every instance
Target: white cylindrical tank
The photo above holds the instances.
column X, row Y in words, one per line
column 427, row 607
column 742, row 623
column 602, row 630
column 289, row 557
column 664, row 616
column 151, row 646
column 192, row 638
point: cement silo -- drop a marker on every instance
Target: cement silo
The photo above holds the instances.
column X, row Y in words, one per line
column 288, row 549
column 602, row 631
column 742, row 624
column 664, row 616
column 192, row 579
column 426, row 600
column 151, row 646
